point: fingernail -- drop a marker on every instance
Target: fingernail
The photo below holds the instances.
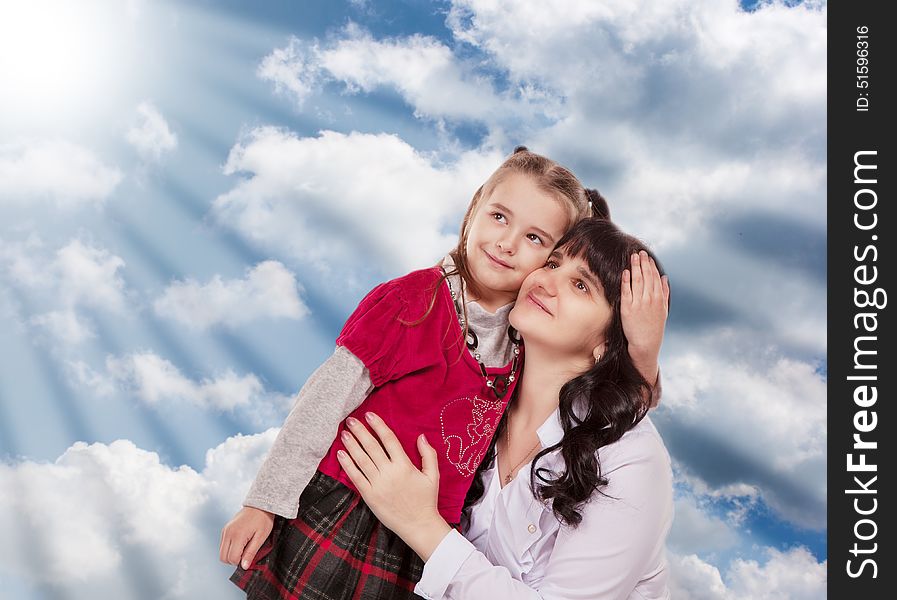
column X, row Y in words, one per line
column 351, row 422
column 245, row 564
column 369, row 416
column 345, row 435
column 341, row 454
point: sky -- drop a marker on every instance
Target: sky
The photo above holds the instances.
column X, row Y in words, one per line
column 194, row 196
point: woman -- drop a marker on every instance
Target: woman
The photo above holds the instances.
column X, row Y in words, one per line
column 591, row 518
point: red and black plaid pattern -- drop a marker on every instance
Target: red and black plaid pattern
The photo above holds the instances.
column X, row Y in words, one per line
column 335, row 549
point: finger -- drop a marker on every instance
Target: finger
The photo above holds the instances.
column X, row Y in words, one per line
column 361, row 458
column 626, row 288
column 355, row 475
column 429, row 458
column 251, row 549
column 235, row 549
column 656, row 284
column 370, row 444
column 644, row 262
column 221, row 545
column 223, row 548
column 666, row 292
column 389, row 440
column 637, row 281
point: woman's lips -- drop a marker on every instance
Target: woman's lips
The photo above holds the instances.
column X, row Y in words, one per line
column 536, row 301
column 500, row 263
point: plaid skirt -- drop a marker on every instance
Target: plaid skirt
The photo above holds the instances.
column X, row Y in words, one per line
column 335, row 549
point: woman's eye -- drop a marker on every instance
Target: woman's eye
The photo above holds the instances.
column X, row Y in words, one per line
column 551, row 264
column 581, row 286
column 498, row 216
column 534, row 238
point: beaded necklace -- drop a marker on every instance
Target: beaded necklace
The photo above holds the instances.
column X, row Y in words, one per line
column 499, row 384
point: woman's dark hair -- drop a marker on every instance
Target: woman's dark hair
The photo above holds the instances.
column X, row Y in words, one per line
column 597, row 407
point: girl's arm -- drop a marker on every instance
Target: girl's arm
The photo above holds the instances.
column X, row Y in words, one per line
column 333, row 391
column 619, row 542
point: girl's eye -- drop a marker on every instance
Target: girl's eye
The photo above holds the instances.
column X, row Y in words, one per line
column 581, row 286
column 534, row 238
column 498, row 217
column 551, row 264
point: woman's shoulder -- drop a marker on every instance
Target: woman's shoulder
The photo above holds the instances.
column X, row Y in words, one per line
column 640, row 444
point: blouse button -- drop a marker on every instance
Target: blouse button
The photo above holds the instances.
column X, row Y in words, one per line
column 531, row 528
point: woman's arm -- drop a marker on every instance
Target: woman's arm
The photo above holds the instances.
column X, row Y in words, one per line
column 619, row 541
column 644, row 305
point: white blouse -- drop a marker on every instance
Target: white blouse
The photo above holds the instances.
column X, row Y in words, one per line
column 516, row 548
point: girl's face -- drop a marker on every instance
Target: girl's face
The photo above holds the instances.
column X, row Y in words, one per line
column 511, row 234
column 563, row 306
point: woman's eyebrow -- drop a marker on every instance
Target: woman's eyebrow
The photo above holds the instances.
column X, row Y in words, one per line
column 588, row 275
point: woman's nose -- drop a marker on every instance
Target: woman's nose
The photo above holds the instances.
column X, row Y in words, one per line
column 546, row 280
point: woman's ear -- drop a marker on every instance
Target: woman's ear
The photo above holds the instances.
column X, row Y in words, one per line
column 598, row 352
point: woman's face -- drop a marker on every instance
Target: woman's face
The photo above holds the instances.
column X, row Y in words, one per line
column 563, row 306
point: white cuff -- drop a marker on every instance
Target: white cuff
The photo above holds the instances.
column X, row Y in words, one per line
column 443, row 565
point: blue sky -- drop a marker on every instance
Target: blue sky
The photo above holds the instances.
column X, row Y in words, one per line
column 193, row 196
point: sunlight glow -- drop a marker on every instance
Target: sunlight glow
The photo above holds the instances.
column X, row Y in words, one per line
column 57, row 55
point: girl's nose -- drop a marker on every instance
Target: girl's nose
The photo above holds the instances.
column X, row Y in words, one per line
column 505, row 244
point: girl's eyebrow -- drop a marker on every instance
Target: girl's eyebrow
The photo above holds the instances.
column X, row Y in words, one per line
column 510, row 213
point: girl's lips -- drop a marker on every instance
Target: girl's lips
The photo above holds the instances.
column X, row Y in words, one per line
column 500, row 263
column 535, row 301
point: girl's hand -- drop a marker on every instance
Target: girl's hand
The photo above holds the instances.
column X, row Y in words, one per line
column 644, row 304
column 244, row 535
column 403, row 497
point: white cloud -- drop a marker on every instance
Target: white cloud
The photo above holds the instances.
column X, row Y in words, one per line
column 695, row 530
column 89, row 275
column 268, row 289
column 59, row 171
column 794, row 575
column 332, row 199
column 77, row 275
column 80, row 508
column 293, row 70
column 423, row 70
column 154, row 380
column 64, row 325
column 773, row 416
column 82, row 526
column 151, row 137
column 679, row 111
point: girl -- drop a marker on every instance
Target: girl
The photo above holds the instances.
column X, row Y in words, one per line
column 406, row 340
column 591, row 519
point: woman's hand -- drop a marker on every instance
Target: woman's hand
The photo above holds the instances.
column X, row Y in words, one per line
column 402, row 496
column 644, row 304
